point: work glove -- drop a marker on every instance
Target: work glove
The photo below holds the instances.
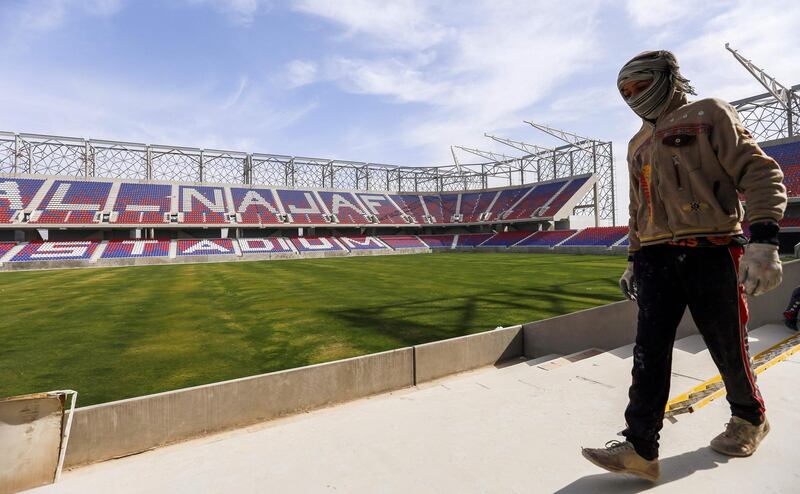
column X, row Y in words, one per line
column 627, row 284
column 760, row 269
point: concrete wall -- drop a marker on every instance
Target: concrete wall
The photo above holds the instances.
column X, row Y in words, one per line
column 614, row 325
column 441, row 358
column 120, row 428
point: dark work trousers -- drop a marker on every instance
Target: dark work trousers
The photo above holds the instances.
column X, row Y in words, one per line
column 706, row 279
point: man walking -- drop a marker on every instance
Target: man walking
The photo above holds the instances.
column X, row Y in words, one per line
column 687, row 165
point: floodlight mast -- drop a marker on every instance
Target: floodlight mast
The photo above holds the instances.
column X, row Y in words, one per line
column 781, row 93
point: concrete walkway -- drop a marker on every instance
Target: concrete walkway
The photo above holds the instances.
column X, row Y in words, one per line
column 517, row 428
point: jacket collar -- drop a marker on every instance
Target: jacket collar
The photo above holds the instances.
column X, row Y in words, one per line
column 678, row 100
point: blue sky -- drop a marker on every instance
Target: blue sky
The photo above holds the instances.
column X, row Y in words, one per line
column 392, row 82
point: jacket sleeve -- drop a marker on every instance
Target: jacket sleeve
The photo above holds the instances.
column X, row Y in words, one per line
column 633, row 207
column 755, row 174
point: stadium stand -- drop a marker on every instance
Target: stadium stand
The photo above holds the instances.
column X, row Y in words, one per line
column 438, row 241
column 142, row 204
column 625, row 242
column 116, row 249
column 403, row 241
column 788, row 156
column 362, row 243
column 255, row 206
column 303, row 208
column 604, row 236
column 201, row 205
column 528, row 207
column 548, row 239
column 16, row 195
column 433, row 203
column 790, row 222
column 72, row 202
column 558, row 202
column 449, row 207
column 264, row 245
column 473, row 205
column 5, row 247
column 55, row 251
column 344, row 207
column 316, row 244
column 505, row 201
column 472, row 239
column 411, row 206
column 206, row 247
column 506, row 239
column 382, row 208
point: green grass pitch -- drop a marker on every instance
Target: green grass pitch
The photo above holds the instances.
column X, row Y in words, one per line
column 115, row 333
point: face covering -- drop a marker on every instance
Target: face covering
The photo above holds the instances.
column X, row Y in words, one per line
column 662, row 67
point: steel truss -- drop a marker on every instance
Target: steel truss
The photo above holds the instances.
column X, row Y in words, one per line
column 70, row 156
column 767, row 118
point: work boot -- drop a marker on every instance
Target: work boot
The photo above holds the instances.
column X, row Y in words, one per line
column 620, row 457
column 740, row 438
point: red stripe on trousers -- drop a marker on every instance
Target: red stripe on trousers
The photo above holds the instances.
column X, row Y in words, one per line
column 736, row 252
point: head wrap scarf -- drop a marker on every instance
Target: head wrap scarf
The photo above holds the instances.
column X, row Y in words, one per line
column 662, row 67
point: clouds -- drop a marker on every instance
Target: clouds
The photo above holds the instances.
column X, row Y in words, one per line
column 474, row 66
column 390, row 24
column 242, row 12
column 300, row 73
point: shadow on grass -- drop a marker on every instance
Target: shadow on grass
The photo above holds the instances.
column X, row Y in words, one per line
column 402, row 321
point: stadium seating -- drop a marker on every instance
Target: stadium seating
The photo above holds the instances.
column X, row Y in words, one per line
column 547, row 239
column 264, row 245
column 316, row 244
column 382, row 208
column 344, row 207
column 625, row 242
column 255, row 206
column 604, row 236
column 790, row 222
column 5, row 247
column 433, row 203
column 72, row 202
column 202, row 205
column 788, row 156
column 791, row 179
column 362, row 243
column 56, row 251
column 505, row 201
column 15, row 195
column 449, row 207
column 403, row 241
column 438, row 241
column 562, row 198
column 472, row 239
column 475, row 204
column 505, row 239
column 529, row 206
column 206, row 247
column 116, row 249
column 411, row 206
column 302, row 206
column 142, row 204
